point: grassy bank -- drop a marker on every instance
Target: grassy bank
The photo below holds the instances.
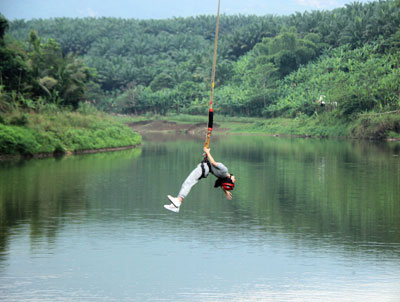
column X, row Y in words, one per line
column 62, row 132
column 300, row 126
column 365, row 126
column 52, row 132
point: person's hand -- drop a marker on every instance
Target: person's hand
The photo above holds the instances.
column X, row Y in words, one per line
column 206, row 150
column 228, row 195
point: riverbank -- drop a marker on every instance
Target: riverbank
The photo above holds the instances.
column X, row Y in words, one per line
column 366, row 126
column 62, row 132
column 50, row 133
column 147, row 126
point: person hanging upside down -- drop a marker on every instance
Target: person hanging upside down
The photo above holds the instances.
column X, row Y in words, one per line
column 225, row 180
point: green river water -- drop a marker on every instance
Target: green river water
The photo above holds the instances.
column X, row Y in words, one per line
column 311, row 220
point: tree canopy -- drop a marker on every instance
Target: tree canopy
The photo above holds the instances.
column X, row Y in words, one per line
column 267, row 65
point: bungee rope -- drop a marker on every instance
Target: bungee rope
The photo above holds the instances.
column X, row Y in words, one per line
column 210, row 110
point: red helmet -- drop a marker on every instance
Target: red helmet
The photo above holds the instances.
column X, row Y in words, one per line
column 228, row 185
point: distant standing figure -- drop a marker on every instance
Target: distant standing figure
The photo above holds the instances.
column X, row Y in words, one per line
column 321, row 101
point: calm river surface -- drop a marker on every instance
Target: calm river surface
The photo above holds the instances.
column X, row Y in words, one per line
column 311, row 220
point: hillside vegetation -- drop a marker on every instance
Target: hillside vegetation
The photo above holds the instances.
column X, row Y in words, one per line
column 325, row 68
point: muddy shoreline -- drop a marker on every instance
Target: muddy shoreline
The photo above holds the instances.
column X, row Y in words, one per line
column 167, row 126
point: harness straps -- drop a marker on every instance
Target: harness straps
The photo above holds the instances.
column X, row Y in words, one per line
column 203, row 170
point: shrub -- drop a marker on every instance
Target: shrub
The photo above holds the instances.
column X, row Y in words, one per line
column 14, row 139
column 19, row 120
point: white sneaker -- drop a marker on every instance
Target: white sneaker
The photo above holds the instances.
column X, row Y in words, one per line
column 172, row 208
column 175, row 201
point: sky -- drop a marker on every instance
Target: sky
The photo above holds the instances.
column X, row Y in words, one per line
column 158, row 9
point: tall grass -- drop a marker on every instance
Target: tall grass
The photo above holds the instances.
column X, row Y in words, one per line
column 377, row 125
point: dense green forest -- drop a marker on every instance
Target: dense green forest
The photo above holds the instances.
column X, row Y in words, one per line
column 270, row 66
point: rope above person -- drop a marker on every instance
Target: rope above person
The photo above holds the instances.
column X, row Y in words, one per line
column 210, row 110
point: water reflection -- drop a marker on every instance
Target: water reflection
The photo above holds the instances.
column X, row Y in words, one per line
column 309, row 219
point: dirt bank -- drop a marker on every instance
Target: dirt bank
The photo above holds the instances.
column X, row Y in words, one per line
column 166, row 126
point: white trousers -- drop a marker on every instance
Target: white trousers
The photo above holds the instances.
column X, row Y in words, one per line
column 192, row 179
